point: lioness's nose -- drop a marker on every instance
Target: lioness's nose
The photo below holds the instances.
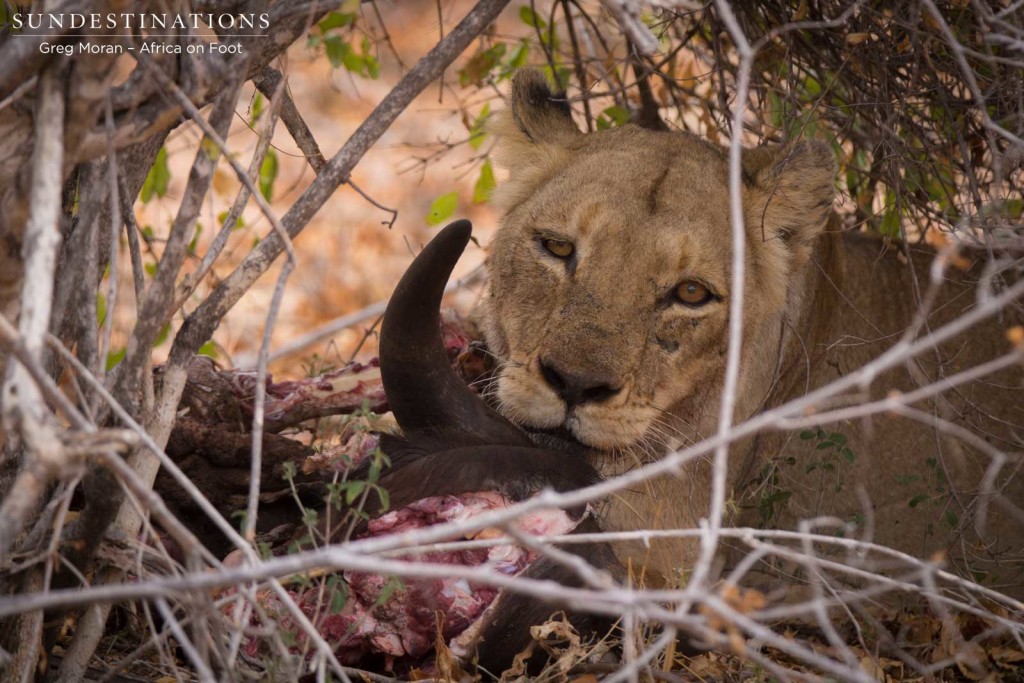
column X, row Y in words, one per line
column 576, row 388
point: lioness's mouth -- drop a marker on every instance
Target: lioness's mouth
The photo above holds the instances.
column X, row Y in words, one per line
column 557, row 438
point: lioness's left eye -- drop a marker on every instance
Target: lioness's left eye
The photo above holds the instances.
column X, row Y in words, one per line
column 693, row 293
column 558, row 248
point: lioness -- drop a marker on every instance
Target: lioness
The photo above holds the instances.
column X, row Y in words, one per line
column 608, row 309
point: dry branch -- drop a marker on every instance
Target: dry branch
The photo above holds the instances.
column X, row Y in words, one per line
column 25, row 414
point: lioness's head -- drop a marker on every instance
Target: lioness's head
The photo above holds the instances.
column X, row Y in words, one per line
column 609, row 276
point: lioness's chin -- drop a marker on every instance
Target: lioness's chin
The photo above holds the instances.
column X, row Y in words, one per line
column 611, row 429
column 532, row 405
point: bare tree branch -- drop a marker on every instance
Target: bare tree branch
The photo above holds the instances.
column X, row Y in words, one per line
column 25, row 413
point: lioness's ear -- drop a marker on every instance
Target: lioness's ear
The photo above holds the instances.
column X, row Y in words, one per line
column 789, row 192
column 535, row 127
column 540, row 115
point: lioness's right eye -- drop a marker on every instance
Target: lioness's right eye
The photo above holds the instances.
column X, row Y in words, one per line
column 693, row 293
column 557, row 248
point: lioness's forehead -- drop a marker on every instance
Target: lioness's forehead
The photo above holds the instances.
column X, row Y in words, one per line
column 633, row 179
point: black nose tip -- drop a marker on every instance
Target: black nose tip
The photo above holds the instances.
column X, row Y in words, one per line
column 577, row 388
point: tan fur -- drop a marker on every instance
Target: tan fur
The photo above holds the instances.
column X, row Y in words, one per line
column 647, row 210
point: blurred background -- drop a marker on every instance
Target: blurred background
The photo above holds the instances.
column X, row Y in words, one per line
column 353, row 251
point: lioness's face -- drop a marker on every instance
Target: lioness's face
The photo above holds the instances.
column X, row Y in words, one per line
column 609, row 300
column 609, row 278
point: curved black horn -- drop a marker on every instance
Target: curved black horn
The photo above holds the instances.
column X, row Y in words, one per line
column 423, row 390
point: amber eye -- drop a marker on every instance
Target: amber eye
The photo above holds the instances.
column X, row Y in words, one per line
column 693, row 293
column 558, row 248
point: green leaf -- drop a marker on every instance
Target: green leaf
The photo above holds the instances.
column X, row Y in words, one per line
column 890, row 226
column 237, row 225
column 353, row 491
column 484, row 184
column 443, row 207
column 393, row 584
column 339, row 594
column 372, row 66
column 618, row 115
column 150, row 269
column 210, row 148
column 775, row 111
column 549, row 38
column 336, row 20
column 480, row 65
column 195, row 239
column 384, row 497
column 807, row 435
column 257, row 107
column 353, row 62
column 209, row 349
column 157, row 179
column 812, row 87
column 1013, row 208
column 530, row 18
column 268, row 174
column 559, row 76
column 848, row 455
column 115, row 357
column 101, row 308
column 478, row 131
column 162, row 335
column 336, row 48
column 853, row 178
column 517, row 60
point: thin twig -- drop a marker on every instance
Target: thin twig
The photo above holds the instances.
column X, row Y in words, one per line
column 115, row 244
column 259, row 406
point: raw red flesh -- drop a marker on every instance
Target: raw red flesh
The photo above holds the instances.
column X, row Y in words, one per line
column 404, row 626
